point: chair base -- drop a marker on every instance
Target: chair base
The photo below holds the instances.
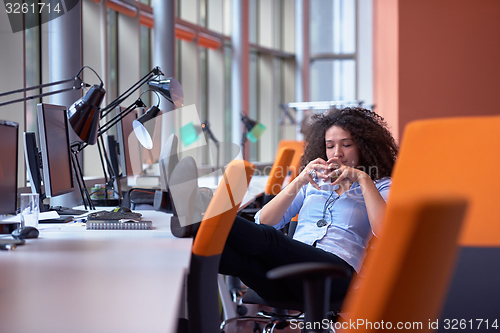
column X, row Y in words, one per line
column 270, row 319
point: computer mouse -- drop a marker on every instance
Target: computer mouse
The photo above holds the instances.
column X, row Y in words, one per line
column 25, row 232
column 122, row 209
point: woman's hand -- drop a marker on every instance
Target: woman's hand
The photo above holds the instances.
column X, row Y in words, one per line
column 315, row 169
column 273, row 211
column 339, row 172
column 375, row 204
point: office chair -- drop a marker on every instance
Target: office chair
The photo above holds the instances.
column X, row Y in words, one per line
column 407, row 272
column 298, row 147
column 405, row 278
column 433, row 160
column 167, row 161
column 407, row 275
column 274, row 183
column 202, row 295
column 293, row 171
column 159, row 199
column 460, row 156
column 189, row 202
column 278, row 173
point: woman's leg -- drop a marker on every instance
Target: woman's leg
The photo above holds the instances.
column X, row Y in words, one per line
column 252, row 250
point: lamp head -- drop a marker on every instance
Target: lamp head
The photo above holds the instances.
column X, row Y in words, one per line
column 84, row 114
column 140, row 130
column 254, row 129
column 169, row 88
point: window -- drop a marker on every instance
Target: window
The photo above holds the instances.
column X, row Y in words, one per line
column 333, row 52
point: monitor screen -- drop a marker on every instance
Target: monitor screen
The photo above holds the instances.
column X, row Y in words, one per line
column 8, row 167
column 55, row 149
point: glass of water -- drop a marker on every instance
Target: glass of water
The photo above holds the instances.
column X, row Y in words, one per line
column 30, row 208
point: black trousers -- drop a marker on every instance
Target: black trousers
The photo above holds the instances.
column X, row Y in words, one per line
column 252, row 250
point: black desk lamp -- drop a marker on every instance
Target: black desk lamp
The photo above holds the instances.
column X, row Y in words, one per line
column 83, row 115
column 170, row 88
column 189, row 134
column 253, row 131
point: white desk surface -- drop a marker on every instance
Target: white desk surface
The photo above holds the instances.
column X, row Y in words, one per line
column 76, row 280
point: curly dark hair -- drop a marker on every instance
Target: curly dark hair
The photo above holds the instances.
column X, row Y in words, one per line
column 377, row 148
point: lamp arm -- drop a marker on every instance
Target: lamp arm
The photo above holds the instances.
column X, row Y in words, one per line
column 120, row 116
column 78, row 84
column 107, row 109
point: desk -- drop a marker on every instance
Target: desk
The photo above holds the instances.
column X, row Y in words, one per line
column 76, row 280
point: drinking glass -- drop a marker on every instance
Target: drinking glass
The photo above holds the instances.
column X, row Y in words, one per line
column 30, row 208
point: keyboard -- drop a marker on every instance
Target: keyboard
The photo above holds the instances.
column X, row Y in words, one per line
column 106, row 215
column 62, row 219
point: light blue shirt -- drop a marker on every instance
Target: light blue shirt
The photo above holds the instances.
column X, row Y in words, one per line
column 347, row 230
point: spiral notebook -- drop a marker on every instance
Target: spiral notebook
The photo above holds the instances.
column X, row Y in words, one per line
column 118, row 225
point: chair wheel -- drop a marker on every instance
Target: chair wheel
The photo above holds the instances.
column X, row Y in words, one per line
column 241, row 310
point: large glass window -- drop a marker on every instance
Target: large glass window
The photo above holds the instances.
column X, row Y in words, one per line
column 146, row 65
column 278, row 24
column 333, row 68
column 253, row 21
column 33, row 56
column 333, row 80
column 204, row 94
column 112, row 35
column 253, row 111
column 204, row 70
column 227, row 110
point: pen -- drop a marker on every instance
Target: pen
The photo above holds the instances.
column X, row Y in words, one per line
column 83, row 220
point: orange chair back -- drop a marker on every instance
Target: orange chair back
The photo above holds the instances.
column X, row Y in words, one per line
column 222, row 210
column 298, row 147
column 454, row 156
column 279, row 171
column 406, row 276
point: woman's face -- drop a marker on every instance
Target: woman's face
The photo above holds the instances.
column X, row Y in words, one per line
column 341, row 146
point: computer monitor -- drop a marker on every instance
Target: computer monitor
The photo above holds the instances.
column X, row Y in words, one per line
column 113, row 155
column 55, row 148
column 128, row 150
column 33, row 164
column 8, row 167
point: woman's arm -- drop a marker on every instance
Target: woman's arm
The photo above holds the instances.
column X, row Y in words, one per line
column 375, row 203
column 273, row 211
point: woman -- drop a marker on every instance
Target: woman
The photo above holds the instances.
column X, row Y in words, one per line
column 339, row 196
